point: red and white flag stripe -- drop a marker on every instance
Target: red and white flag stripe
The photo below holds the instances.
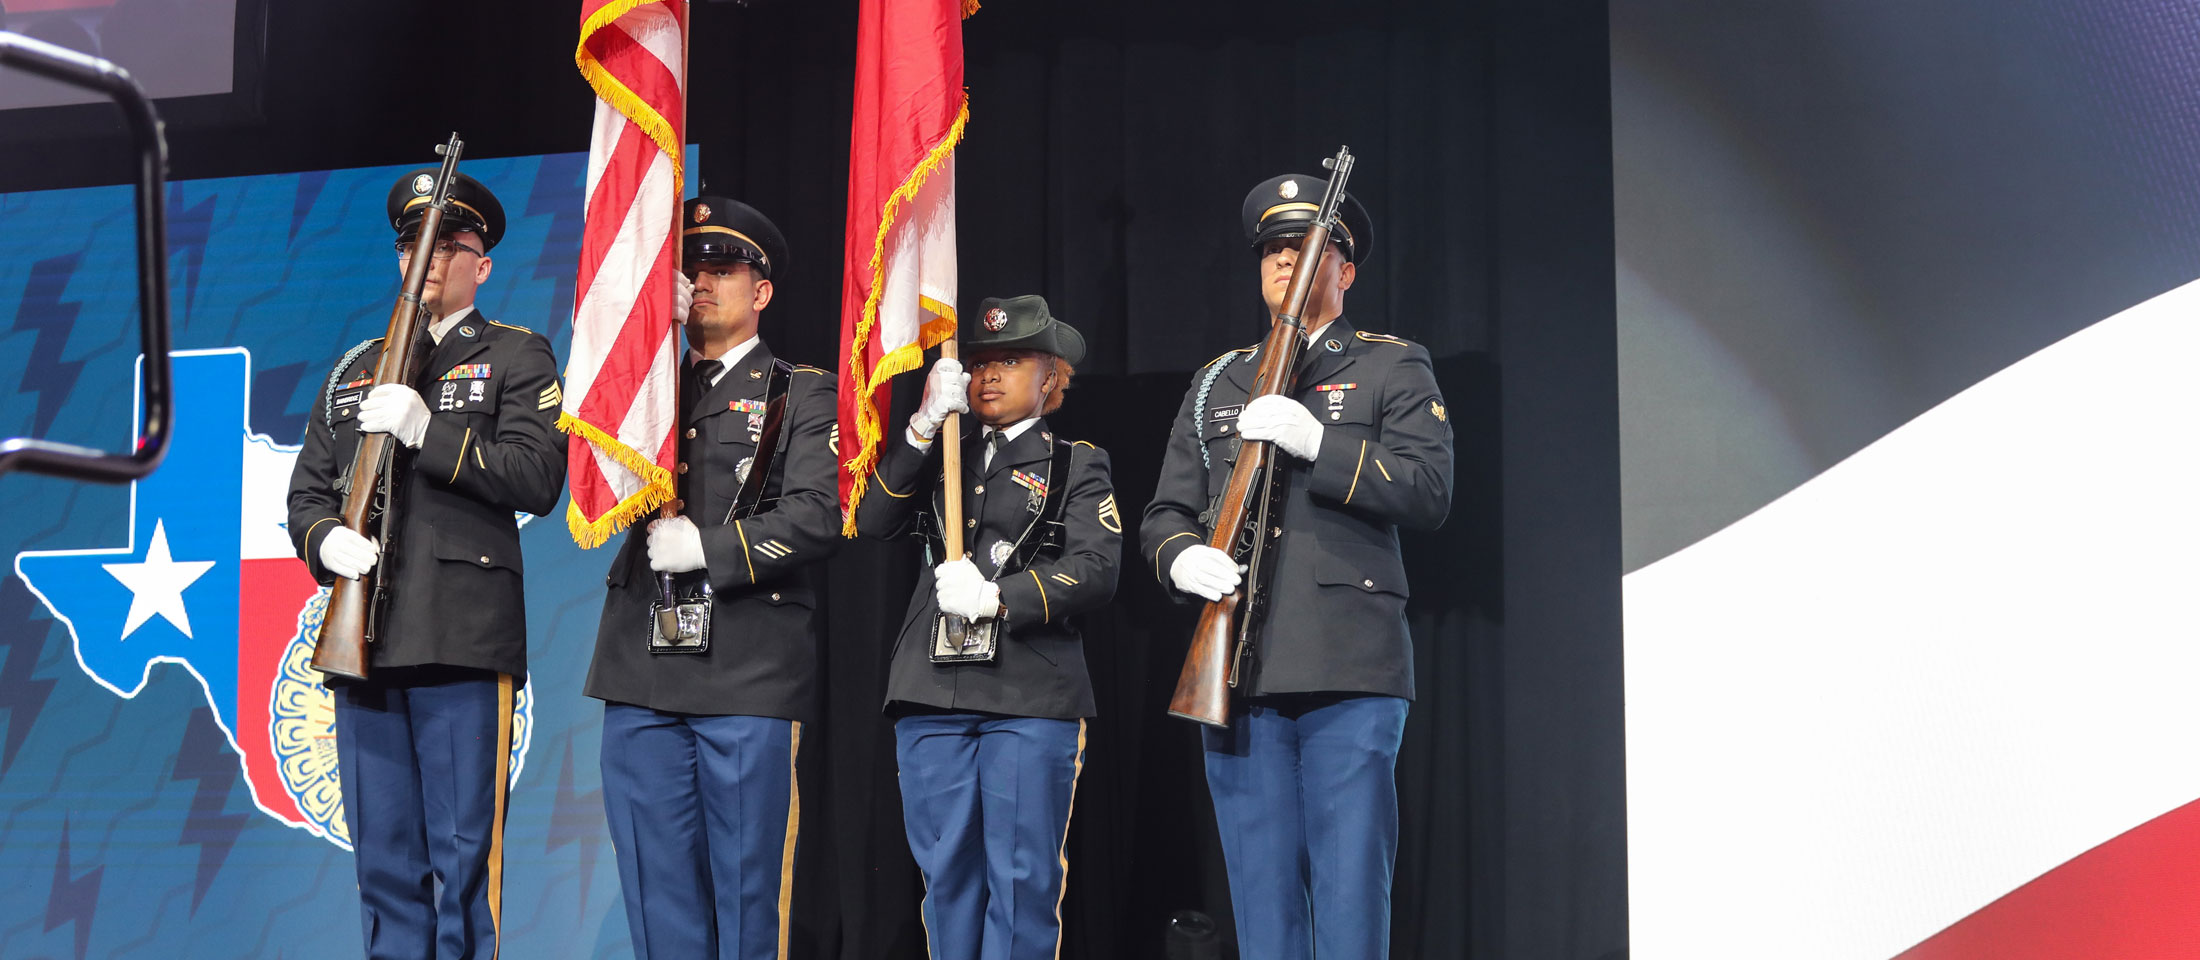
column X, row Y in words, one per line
column 621, row 381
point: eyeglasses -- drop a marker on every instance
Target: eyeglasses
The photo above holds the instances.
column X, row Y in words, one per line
column 443, row 249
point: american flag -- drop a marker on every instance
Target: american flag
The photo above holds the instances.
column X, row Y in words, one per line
column 621, row 377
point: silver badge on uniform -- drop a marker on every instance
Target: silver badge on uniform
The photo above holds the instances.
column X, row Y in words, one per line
column 475, row 393
column 449, row 395
column 1000, row 552
column 741, row 470
column 422, row 184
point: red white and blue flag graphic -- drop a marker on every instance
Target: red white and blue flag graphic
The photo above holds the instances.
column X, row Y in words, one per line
column 207, row 580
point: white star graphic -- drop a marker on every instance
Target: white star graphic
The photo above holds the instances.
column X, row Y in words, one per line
column 156, row 585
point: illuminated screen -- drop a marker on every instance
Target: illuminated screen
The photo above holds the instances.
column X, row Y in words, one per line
column 166, row 762
column 173, row 48
column 1907, row 363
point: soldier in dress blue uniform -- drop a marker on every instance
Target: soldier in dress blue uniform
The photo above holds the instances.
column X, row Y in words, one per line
column 990, row 749
column 699, row 747
column 1303, row 778
column 424, row 744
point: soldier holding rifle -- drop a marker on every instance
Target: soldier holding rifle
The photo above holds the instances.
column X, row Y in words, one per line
column 1303, row 771
column 702, row 723
column 424, row 740
column 988, row 682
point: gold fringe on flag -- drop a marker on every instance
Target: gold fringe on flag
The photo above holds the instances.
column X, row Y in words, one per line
column 909, row 356
column 656, row 489
column 621, row 98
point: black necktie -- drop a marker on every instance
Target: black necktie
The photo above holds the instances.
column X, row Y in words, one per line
column 994, row 441
column 700, row 377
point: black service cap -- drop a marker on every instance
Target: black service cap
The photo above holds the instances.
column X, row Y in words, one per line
column 719, row 230
column 1281, row 207
column 473, row 207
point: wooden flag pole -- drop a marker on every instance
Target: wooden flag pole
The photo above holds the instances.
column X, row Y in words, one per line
column 951, row 501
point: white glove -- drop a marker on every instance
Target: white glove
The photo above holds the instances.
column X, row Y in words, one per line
column 395, row 409
column 964, row 592
column 1284, row 422
column 946, row 390
column 1204, row 572
column 347, row 554
column 683, row 297
column 675, row 546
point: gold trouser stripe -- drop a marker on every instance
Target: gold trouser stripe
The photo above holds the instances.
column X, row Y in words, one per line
column 496, row 829
column 1356, row 472
column 921, row 921
column 1063, row 854
column 1157, row 554
column 1046, row 610
column 1385, row 470
column 745, row 550
column 463, row 441
column 309, row 536
column 794, row 828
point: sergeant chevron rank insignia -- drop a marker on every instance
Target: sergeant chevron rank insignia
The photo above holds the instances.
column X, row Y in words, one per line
column 550, row 396
column 1109, row 516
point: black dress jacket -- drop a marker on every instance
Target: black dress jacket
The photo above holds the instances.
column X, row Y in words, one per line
column 1337, row 620
column 1039, row 670
column 764, row 631
column 492, row 448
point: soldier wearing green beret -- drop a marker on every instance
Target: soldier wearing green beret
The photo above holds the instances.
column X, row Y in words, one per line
column 990, row 735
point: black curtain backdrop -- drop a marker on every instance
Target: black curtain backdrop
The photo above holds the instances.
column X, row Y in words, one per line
column 1108, row 150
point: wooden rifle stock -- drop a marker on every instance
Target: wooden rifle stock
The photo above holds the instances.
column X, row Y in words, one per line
column 348, row 624
column 1243, row 525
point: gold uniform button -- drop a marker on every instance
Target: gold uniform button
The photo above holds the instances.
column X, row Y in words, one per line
column 485, row 560
column 775, row 598
column 972, row 523
column 691, row 433
column 683, row 468
column 1370, row 584
column 978, row 491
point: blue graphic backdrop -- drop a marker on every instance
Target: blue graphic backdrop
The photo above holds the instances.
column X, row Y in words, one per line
column 127, row 826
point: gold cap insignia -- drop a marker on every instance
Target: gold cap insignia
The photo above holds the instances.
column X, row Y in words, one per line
column 702, row 213
column 422, row 184
column 1287, row 189
column 1437, row 407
